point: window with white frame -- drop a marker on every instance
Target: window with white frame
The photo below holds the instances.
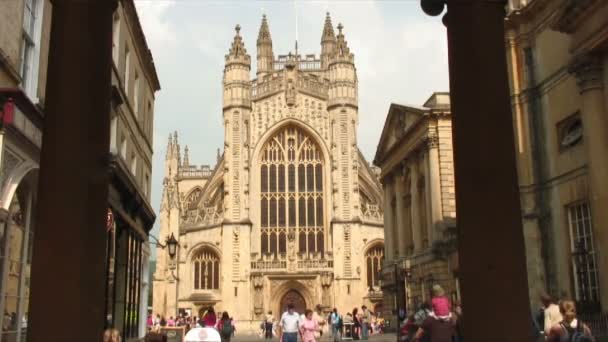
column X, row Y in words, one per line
column 127, row 69
column 28, row 46
column 146, row 185
column 136, row 95
column 115, row 36
column 123, row 147
column 134, row 164
column 584, row 263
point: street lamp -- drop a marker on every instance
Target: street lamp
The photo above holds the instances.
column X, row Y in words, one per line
column 170, row 243
column 172, row 246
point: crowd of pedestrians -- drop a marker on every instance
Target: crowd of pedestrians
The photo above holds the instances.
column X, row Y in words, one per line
column 557, row 321
column 438, row 321
column 310, row 325
column 434, row 321
column 209, row 319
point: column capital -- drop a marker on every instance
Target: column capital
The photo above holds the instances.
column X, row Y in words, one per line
column 588, row 71
column 432, row 141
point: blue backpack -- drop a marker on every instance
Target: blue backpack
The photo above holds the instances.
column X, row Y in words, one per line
column 576, row 334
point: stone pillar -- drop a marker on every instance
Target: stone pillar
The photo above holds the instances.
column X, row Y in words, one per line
column 434, row 180
column 416, row 232
column 74, row 177
column 402, row 216
column 490, row 235
column 588, row 70
column 389, row 237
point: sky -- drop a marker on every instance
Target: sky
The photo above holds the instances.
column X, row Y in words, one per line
column 400, row 56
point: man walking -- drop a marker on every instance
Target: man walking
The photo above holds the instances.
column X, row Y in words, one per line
column 365, row 320
column 290, row 324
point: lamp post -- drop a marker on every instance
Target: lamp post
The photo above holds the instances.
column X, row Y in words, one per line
column 171, row 244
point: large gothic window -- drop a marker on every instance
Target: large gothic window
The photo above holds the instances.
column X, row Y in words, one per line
column 291, row 193
column 206, row 264
column 373, row 260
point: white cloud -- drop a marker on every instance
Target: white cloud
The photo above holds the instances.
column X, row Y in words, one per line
column 152, row 16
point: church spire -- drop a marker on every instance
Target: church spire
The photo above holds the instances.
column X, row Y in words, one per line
column 169, row 153
column 328, row 41
column 176, row 148
column 264, row 46
column 328, row 30
column 264, row 33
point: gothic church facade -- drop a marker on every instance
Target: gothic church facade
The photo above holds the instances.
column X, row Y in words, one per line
column 291, row 213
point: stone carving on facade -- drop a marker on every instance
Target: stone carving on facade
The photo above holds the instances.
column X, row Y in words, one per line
column 204, row 216
column 258, row 297
column 588, row 71
column 432, row 141
column 371, row 212
column 326, row 281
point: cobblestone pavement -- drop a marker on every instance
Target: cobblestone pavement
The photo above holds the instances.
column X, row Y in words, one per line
column 375, row 338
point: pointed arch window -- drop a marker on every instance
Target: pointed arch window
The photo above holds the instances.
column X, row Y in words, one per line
column 373, row 261
column 206, row 270
column 292, row 193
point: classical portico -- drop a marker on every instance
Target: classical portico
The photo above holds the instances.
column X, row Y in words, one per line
column 415, row 156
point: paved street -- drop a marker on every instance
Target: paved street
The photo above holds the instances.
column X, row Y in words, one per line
column 376, row 338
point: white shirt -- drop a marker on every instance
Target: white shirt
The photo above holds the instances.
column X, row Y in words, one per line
column 552, row 317
column 290, row 322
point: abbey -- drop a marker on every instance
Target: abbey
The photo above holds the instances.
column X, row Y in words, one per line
column 291, row 213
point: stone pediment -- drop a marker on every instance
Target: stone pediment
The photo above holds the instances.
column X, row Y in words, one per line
column 400, row 119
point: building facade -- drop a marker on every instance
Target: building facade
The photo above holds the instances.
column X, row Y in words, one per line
column 130, row 215
column 24, row 45
column 415, row 156
column 291, row 212
column 558, row 68
column 24, row 31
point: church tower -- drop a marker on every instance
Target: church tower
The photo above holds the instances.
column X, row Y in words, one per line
column 236, row 108
column 166, row 270
column 290, row 213
column 264, row 47
column 236, row 113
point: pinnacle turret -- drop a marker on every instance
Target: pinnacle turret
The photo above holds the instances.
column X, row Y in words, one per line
column 176, row 148
column 186, row 162
column 169, row 153
column 264, row 33
column 238, row 47
column 328, row 41
column 265, row 56
column 342, row 49
column 328, row 30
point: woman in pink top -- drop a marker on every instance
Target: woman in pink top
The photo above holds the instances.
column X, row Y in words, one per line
column 309, row 327
column 210, row 319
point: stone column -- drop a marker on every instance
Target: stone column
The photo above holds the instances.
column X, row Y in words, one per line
column 401, row 214
column 491, row 243
column 389, row 237
column 416, row 232
column 588, row 71
column 434, row 180
column 74, row 178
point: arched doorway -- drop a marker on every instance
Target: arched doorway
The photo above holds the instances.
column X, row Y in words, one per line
column 293, row 297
